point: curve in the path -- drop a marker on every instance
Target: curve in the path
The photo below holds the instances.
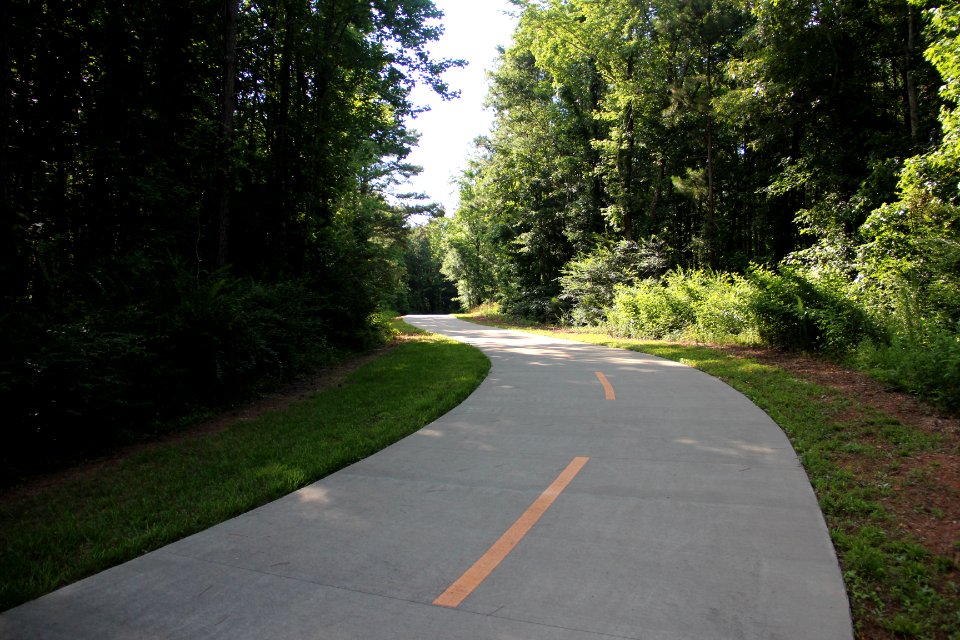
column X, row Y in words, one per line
column 601, row 493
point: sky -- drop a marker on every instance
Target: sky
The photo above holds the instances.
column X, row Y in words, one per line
column 472, row 31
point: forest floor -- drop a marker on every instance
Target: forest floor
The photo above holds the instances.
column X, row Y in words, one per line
column 925, row 487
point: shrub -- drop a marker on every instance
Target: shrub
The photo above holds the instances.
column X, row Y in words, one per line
column 695, row 304
column 646, row 310
column 722, row 309
column 793, row 310
column 589, row 281
column 922, row 360
column 538, row 304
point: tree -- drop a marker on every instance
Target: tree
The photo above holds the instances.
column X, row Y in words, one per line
column 469, row 250
column 196, row 198
column 732, row 132
column 428, row 291
column 910, row 248
column 227, row 105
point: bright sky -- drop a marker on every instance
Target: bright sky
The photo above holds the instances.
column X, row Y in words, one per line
column 472, row 31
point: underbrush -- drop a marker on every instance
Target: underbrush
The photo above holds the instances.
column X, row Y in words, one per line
column 926, row 364
column 136, row 358
column 796, row 309
column 695, row 305
column 785, row 309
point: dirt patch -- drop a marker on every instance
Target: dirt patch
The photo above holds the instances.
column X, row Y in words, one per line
column 928, row 495
column 905, row 408
column 324, row 378
column 924, row 487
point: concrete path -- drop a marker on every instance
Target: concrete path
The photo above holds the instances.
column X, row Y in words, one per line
column 579, row 493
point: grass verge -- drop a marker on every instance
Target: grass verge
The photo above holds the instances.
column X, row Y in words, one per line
column 60, row 534
column 897, row 587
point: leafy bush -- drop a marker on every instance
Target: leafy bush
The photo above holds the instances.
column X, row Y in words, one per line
column 695, row 304
column 784, row 310
column 225, row 338
column 589, row 281
column 539, row 304
column 722, row 309
column 802, row 310
column 646, row 310
column 793, row 310
column 924, row 360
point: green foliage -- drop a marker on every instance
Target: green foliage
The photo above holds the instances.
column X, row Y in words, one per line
column 649, row 310
column 537, row 303
column 470, row 244
column 99, row 373
column 908, row 258
column 736, row 133
column 787, row 309
column 944, row 53
column 427, row 290
column 911, row 254
column 695, row 305
column 721, row 309
column 924, row 362
column 795, row 310
column 588, row 281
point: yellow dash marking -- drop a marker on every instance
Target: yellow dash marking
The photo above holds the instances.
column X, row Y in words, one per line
column 482, row 568
column 608, row 391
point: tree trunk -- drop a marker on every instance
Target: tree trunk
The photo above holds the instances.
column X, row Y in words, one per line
column 910, row 57
column 657, row 191
column 626, row 173
column 227, row 101
column 711, row 222
column 283, row 112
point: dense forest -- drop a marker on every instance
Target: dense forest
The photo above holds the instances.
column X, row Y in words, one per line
column 778, row 172
column 199, row 198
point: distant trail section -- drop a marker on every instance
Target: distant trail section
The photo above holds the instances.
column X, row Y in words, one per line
column 692, row 519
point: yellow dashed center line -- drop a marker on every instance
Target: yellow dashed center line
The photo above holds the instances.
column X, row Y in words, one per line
column 482, row 568
column 608, row 391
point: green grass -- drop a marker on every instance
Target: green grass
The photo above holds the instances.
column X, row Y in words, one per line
column 894, row 584
column 82, row 526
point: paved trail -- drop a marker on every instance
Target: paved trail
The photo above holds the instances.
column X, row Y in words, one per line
column 580, row 493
